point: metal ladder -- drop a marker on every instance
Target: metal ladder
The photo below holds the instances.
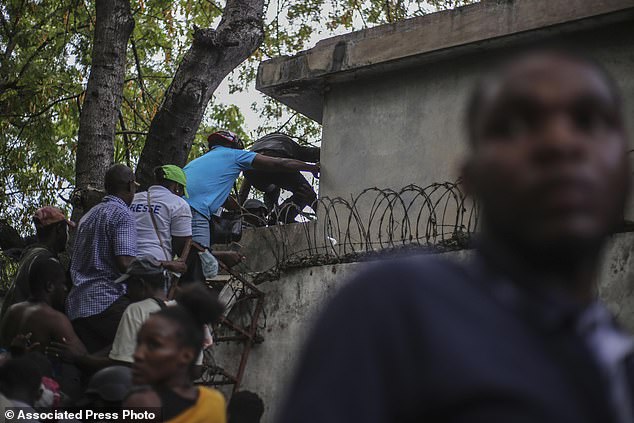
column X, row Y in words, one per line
column 251, row 299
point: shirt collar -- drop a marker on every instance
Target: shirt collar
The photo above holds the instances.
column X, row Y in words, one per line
column 159, row 188
column 114, row 198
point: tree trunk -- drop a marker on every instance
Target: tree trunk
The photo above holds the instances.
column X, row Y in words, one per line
column 104, row 92
column 212, row 56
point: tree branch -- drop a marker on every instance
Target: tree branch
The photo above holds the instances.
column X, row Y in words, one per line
column 131, row 132
column 138, row 69
column 126, row 140
column 40, row 48
column 134, row 110
column 46, row 108
column 213, row 54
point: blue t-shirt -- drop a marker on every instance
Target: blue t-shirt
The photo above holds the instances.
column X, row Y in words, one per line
column 211, row 176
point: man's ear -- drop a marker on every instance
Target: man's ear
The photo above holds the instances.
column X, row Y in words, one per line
column 187, row 355
column 147, row 287
column 60, row 229
column 49, row 286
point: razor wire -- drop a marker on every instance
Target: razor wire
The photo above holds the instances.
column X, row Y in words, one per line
column 439, row 216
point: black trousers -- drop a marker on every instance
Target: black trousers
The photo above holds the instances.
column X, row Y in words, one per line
column 98, row 331
column 271, row 182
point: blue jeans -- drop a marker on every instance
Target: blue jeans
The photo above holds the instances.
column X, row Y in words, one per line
column 200, row 230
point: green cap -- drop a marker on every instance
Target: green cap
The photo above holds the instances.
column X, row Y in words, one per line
column 176, row 174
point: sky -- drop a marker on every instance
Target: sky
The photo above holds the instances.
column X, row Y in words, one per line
column 244, row 99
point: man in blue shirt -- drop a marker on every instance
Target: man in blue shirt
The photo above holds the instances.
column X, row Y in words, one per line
column 515, row 334
column 211, row 177
column 105, row 244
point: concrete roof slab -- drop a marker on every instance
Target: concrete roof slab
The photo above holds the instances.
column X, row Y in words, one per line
column 299, row 81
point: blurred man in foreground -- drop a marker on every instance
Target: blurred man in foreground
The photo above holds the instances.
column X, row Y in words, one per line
column 515, row 334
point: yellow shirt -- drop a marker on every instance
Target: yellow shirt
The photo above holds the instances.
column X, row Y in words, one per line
column 209, row 408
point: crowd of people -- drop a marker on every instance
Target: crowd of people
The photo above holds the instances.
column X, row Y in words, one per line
column 128, row 309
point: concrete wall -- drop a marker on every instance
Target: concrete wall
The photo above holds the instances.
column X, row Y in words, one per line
column 291, row 304
column 407, row 126
column 616, row 286
column 293, row 301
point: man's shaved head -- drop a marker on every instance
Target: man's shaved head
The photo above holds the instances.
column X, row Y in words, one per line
column 548, row 162
column 47, row 277
column 120, row 182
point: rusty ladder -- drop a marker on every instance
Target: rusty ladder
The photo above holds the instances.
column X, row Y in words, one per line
column 245, row 334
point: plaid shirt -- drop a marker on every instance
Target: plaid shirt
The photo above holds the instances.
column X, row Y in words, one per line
column 106, row 231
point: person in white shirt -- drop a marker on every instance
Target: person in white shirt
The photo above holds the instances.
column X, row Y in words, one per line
column 146, row 285
column 164, row 221
column 163, row 218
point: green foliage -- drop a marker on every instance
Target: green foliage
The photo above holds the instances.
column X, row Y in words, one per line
column 43, row 58
column 45, row 48
column 162, row 34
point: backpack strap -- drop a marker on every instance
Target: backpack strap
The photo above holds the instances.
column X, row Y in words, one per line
column 158, row 234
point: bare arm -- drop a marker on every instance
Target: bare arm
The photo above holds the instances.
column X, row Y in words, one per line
column 143, row 399
column 94, row 363
column 179, row 243
column 228, row 258
column 261, row 162
column 65, row 332
column 123, row 262
column 83, row 360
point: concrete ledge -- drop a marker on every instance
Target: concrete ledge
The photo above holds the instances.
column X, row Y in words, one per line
column 300, row 81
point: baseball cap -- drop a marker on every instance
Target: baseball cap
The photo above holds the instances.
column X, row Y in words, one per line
column 142, row 266
column 227, row 137
column 48, row 215
column 176, row 174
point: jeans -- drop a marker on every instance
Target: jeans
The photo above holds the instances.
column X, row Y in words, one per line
column 303, row 193
column 201, row 232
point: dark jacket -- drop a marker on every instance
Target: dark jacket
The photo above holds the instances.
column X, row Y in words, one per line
column 281, row 145
column 427, row 340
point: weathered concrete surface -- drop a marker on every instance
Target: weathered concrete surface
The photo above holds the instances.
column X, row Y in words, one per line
column 406, row 127
column 299, row 81
column 291, row 305
column 616, row 286
column 293, row 302
column 265, row 247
